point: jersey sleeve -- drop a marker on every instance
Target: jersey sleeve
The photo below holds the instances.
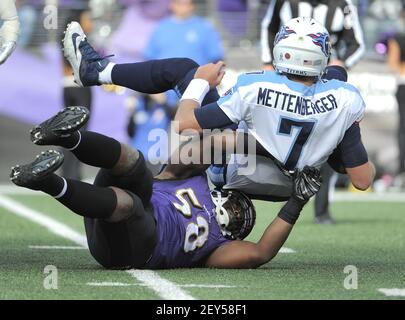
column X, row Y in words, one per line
column 232, row 104
column 350, row 152
column 357, row 108
column 353, row 153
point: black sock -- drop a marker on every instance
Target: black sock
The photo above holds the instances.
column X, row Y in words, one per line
column 52, row 184
column 89, row 200
column 157, row 76
column 154, row 76
column 98, row 150
column 69, row 142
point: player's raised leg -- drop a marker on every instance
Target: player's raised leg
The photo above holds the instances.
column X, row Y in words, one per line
column 82, row 198
column 119, row 162
column 153, row 76
column 89, row 147
column 120, row 232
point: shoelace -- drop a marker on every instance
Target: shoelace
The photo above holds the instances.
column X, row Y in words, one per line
column 90, row 54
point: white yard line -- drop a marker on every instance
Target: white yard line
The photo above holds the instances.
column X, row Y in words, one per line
column 121, row 284
column 287, row 250
column 56, row 247
column 52, row 225
column 394, row 292
column 164, row 288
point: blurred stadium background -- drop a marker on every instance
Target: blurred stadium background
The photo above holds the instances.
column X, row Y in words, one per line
column 30, row 83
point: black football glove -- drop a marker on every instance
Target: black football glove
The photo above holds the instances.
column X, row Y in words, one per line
column 306, row 183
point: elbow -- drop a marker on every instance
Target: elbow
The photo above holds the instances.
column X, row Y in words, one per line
column 255, row 261
column 258, row 258
column 362, row 184
column 362, row 177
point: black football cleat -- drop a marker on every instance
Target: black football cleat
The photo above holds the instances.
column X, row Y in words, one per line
column 45, row 163
column 61, row 125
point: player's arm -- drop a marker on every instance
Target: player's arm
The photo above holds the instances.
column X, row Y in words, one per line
column 351, row 157
column 245, row 254
column 204, row 150
column 214, row 148
column 189, row 114
column 362, row 176
column 10, row 28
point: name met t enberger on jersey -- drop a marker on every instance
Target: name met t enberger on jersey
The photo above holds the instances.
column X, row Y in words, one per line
column 295, row 104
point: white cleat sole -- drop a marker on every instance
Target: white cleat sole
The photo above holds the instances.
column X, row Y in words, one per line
column 73, row 56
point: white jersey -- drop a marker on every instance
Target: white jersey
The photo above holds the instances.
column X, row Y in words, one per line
column 299, row 125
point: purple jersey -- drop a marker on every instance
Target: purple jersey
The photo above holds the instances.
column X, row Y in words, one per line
column 186, row 226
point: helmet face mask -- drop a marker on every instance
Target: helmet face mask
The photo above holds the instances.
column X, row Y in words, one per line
column 235, row 213
column 302, row 47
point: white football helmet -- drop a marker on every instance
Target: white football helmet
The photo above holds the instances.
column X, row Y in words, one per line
column 302, row 47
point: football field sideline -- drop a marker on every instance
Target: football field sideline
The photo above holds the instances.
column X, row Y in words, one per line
column 368, row 235
column 164, row 288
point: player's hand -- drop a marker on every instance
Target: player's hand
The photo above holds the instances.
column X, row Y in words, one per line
column 212, row 72
column 306, row 183
column 6, row 50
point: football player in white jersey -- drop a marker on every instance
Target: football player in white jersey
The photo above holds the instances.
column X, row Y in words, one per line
column 296, row 116
column 9, row 30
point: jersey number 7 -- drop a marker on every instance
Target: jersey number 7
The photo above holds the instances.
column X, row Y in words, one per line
column 305, row 129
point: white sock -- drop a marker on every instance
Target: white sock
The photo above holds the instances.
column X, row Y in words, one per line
column 77, row 144
column 104, row 77
column 64, row 189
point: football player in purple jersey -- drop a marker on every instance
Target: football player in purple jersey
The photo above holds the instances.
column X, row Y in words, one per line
column 173, row 220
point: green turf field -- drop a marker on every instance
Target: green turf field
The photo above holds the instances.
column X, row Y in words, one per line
column 370, row 235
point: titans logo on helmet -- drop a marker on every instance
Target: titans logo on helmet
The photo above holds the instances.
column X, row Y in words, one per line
column 322, row 40
column 284, row 33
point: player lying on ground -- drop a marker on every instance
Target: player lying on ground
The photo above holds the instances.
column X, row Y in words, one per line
column 335, row 129
column 10, row 29
column 135, row 221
